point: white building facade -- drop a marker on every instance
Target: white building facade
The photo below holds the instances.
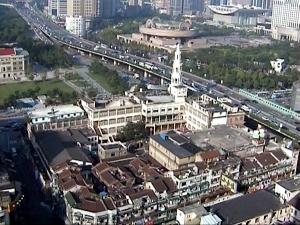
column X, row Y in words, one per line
column 286, row 20
column 76, row 25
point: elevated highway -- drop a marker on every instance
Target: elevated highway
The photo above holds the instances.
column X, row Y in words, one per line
column 132, row 62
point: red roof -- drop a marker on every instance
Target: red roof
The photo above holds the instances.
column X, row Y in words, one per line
column 7, row 51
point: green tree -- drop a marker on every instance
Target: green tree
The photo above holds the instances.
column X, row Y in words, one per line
column 133, row 132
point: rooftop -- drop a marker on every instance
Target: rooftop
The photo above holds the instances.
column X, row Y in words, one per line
column 198, row 209
column 295, row 202
column 246, row 207
column 112, row 102
column 55, row 111
column 59, row 146
column 7, row 51
column 177, row 144
column 112, row 146
column 290, row 185
column 222, row 137
column 161, row 98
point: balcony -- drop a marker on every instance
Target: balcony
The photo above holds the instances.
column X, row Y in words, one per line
column 286, row 167
column 164, row 219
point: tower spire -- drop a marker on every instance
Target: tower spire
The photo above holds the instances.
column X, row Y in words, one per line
column 176, row 73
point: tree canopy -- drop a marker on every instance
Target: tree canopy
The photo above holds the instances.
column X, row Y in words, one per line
column 110, row 76
column 245, row 67
column 13, row 29
column 133, row 132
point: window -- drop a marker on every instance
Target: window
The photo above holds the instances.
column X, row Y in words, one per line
column 113, row 154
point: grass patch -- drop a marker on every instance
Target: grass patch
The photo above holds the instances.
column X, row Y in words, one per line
column 81, row 83
column 102, row 81
column 73, row 76
column 48, row 85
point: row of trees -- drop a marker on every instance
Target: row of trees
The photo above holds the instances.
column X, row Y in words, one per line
column 111, row 77
column 245, row 67
column 14, row 29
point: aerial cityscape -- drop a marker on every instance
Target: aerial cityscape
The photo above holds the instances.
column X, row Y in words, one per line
column 150, row 112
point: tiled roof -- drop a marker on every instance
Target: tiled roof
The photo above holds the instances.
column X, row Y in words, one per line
column 210, row 155
column 278, row 154
column 109, row 203
column 143, row 193
column 295, row 202
column 7, row 51
column 92, row 206
column 265, row 159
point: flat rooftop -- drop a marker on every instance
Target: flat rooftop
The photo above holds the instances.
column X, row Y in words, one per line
column 114, row 102
column 290, row 185
column 112, row 146
column 58, row 111
column 59, row 146
column 176, row 144
column 161, row 98
column 221, row 137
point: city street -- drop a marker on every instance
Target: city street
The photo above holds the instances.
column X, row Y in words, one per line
column 38, row 212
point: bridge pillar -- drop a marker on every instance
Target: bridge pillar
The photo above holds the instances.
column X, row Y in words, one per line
column 129, row 68
column 161, row 81
column 115, row 62
column 90, row 55
column 145, row 74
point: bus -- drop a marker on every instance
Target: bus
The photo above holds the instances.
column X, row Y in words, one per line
column 245, row 108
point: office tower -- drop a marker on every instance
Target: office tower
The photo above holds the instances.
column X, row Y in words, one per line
column 286, row 20
column 57, row 8
column 160, row 4
column 295, row 101
column 106, row 8
column 179, row 7
column 86, row 8
column 265, row 4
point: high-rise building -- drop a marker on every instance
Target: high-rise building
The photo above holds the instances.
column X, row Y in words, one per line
column 57, row 8
column 87, row 8
column 179, row 7
column 76, row 25
column 106, row 8
column 295, row 101
column 265, row 4
column 286, row 20
column 160, row 4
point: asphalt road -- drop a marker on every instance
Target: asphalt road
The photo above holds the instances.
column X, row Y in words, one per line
column 37, row 213
column 222, row 89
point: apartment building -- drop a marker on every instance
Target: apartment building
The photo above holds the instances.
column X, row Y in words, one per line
column 265, row 208
column 84, row 8
column 56, row 117
column 111, row 150
column 142, row 190
column 13, row 63
column 106, row 8
column 264, row 169
column 57, row 8
column 76, row 25
column 109, row 116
